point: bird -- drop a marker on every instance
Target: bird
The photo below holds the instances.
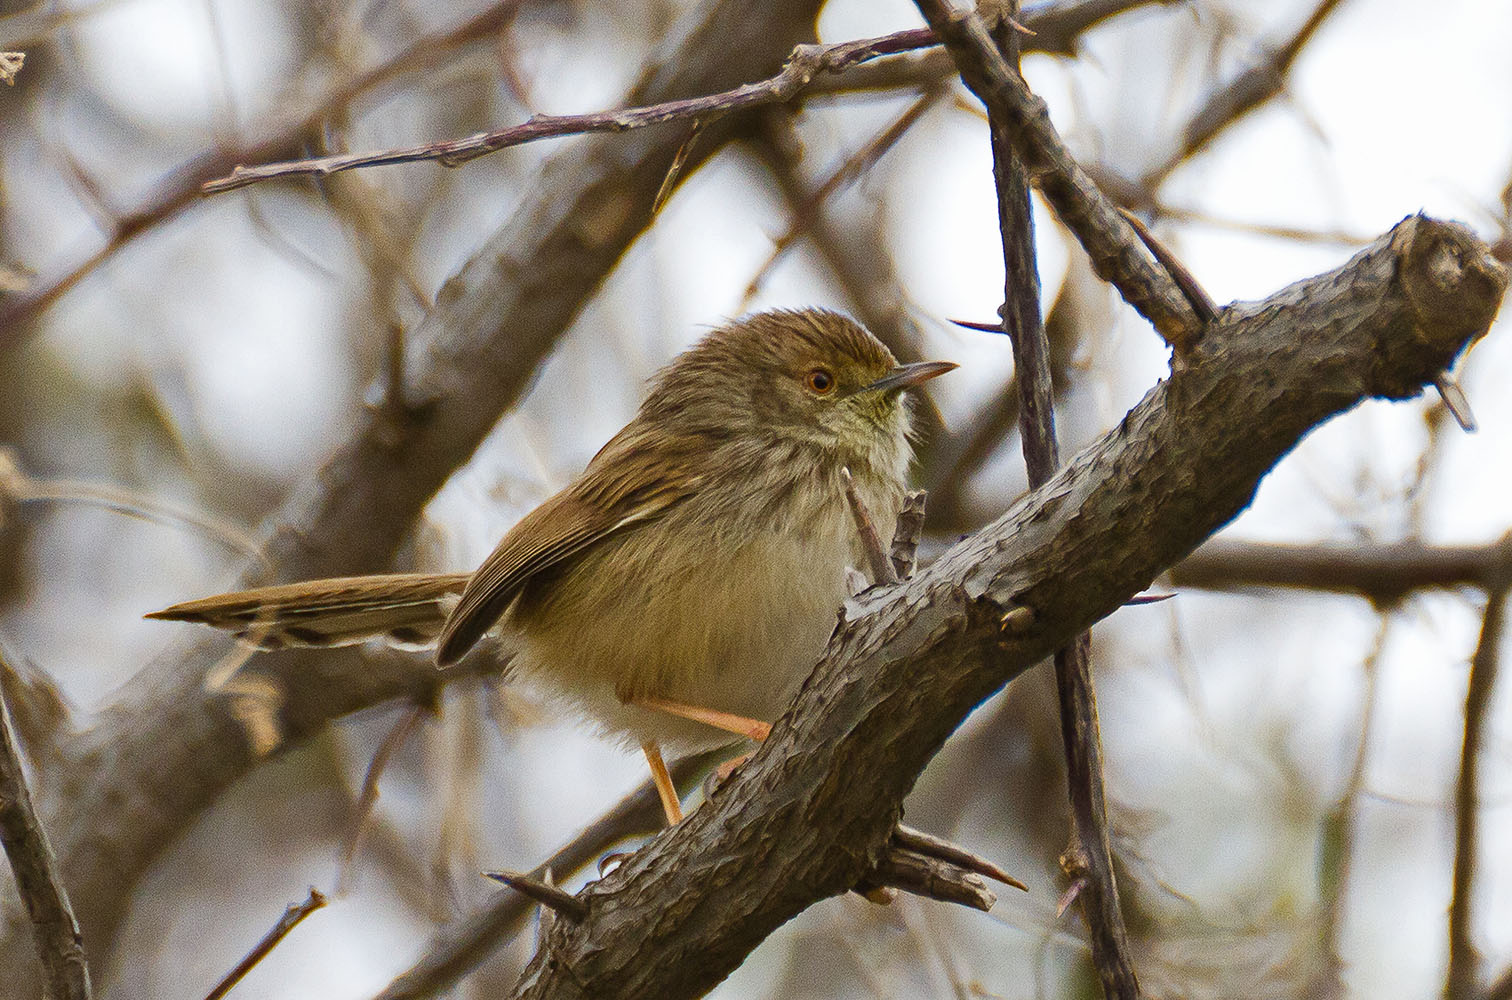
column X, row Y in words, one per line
column 682, row 586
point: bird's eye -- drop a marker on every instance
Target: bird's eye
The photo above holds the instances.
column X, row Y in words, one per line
column 820, row 381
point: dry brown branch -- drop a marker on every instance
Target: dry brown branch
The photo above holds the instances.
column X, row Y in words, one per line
column 169, row 742
column 293, row 914
column 809, row 814
column 1463, row 977
column 1382, row 574
column 1116, row 252
column 55, row 929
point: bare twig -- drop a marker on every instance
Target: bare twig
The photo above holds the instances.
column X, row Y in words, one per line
column 1202, row 304
column 806, row 209
column 368, row 797
column 929, row 845
column 876, row 557
column 805, row 63
column 1462, row 977
column 292, row 915
column 1116, row 252
column 60, row 945
column 1090, row 841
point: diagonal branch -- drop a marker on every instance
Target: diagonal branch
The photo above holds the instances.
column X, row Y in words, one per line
column 810, row 813
column 1116, row 252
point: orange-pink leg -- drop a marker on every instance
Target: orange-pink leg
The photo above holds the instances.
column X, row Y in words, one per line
column 663, row 781
column 753, row 729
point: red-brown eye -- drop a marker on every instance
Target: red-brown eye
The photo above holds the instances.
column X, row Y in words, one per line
column 820, row 381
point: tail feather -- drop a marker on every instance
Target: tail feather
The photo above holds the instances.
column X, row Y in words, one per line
column 405, row 609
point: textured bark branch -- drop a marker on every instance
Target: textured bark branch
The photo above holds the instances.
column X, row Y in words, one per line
column 810, row 814
column 168, row 748
column 60, row 946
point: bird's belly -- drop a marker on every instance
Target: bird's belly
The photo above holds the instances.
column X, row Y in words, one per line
column 737, row 633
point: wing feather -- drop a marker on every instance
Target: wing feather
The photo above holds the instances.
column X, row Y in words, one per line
column 628, row 483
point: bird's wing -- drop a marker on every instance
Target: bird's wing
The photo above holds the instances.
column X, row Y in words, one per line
column 407, row 609
column 628, row 483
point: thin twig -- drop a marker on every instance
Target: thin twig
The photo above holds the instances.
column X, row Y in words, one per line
column 60, row 945
column 876, row 557
column 368, row 797
column 929, row 845
column 1090, row 843
column 180, row 187
column 1460, row 981
column 854, row 166
column 1256, row 85
column 806, row 62
column 292, row 915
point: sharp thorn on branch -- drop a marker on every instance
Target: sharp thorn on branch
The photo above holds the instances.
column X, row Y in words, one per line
column 564, row 903
column 1456, row 402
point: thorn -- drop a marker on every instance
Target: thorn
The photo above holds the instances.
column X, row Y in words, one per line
column 881, row 895
column 1191, row 289
column 1017, row 620
column 679, row 160
column 1068, row 897
column 1455, row 402
column 565, row 903
column 983, row 327
column 937, row 847
column 1139, row 599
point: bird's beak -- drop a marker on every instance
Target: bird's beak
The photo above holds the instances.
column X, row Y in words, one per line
column 904, row 376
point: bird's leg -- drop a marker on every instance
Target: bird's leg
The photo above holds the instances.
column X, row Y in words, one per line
column 753, row 729
column 665, row 789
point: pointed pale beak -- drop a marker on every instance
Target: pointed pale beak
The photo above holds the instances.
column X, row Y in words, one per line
column 906, row 376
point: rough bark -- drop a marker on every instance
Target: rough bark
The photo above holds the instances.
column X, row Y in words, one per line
column 809, row 815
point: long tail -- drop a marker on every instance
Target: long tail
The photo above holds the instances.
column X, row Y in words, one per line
column 406, row 609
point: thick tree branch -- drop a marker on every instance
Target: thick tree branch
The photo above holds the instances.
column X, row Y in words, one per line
column 810, row 814
column 168, row 748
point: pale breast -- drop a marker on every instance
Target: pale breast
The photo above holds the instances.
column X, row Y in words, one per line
column 732, row 620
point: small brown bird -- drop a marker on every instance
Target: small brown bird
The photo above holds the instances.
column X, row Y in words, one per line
column 688, row 580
